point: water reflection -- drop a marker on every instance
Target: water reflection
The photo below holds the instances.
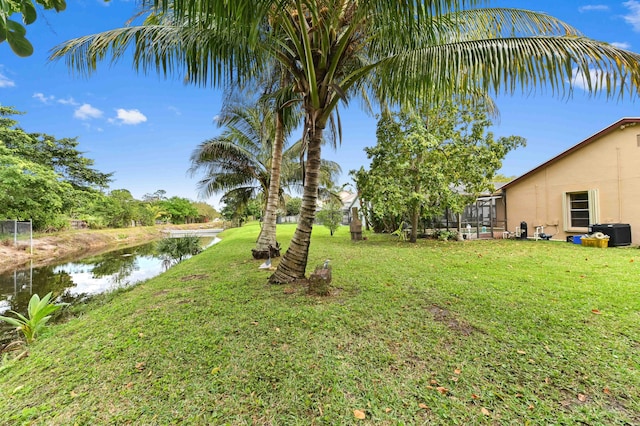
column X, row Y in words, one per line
column 75, row 281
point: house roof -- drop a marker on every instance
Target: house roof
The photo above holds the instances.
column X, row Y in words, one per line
column 620, row 124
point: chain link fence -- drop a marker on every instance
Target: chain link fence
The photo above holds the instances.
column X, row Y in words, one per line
column 16, row 232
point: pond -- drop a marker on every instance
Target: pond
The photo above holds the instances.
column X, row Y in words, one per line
column 77, row 280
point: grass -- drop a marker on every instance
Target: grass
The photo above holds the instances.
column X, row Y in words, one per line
column 483, row 332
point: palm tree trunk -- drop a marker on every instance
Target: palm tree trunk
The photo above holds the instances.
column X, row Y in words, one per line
column 267, row 245
column 294, row 262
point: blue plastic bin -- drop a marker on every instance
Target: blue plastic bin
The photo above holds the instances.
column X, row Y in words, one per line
column 577, row 239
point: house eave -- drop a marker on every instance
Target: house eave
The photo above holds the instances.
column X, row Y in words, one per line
column 618, row 125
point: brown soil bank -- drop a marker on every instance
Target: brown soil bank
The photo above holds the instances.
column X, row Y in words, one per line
column 54, row 247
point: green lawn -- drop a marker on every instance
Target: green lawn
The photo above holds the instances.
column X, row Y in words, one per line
column 480, row 332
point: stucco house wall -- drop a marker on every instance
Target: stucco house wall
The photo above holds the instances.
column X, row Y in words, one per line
column 604, row 169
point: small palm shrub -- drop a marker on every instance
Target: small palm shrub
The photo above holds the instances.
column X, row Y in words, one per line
column 39, row 313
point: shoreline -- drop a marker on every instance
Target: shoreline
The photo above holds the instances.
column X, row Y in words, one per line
column 56, row 247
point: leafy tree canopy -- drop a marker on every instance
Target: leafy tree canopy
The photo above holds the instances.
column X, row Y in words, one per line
column 12, row 31
column 180, row 209
column 29, row 190
column 61, row 155
column 206, row 211
column 430, row 160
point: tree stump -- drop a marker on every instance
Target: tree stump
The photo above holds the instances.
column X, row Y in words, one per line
column 319, row 281
column 355, row 227
column 266, row 254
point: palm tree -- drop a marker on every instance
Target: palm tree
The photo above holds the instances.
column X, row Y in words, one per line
column 239, row 162
column 330, row 48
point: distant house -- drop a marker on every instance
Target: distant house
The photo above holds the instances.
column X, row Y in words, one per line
column 595, row 182
column 349, row 200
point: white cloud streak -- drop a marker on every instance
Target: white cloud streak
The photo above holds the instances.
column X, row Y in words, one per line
column 43, row 98
column 621, row 45
column 68, row 101
column 593, row 7
column 633, row 18
column 6, row 82
column 87, row 112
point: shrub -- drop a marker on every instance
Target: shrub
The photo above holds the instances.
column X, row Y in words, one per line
column 39, row 312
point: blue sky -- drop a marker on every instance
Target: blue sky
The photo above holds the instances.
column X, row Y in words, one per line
column 144, row 128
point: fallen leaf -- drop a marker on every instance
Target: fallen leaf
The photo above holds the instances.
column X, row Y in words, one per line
column 433, row 382
column 387, row 410
column 423, row 406
column 547, row 380
column 442, row 389
column 532, row 361
column 455, row 379
column 474, row 396
column 278, row 329
column 73, row 394
column 607, row 391
column 519, row 395
column 141, row 335
column 485, row 411
column 215, row 370
column 631, row 261
column 359, row 414
column 254, row 322
column 582, row 397
column 129, row 385
column 140, row 366
column 595, row 311
column 530, row 407
column 429, row 387
column 521, row 352
column 456, row 371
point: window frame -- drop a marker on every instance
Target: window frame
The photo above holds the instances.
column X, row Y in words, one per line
column 593, row 208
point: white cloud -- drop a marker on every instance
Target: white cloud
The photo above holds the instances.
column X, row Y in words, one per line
column 42, row 98
column 593, row 7
column 68, row 101
column 129, row 116
column 86, row 112
column 580, row 81
column 6, row 82
column 633, row 17
column 621, row 45
column 175, row 110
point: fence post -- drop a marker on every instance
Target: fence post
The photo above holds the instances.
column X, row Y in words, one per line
column 15, row 232
column 31, row 235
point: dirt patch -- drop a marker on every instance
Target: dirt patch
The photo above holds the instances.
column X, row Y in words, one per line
column 194, row 277
column 445, row 316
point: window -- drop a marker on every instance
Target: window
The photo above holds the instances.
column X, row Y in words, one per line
column 580, row 210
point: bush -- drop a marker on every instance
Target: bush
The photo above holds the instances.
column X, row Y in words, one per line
column 445, row 235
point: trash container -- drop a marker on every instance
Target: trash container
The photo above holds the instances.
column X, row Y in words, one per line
column 523, row 230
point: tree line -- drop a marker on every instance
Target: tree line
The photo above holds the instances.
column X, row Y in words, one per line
column 50, row 181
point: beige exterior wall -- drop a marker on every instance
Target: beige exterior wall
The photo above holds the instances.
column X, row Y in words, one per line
column 609, row 165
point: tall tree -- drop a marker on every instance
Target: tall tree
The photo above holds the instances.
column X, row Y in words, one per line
column 421, row 49
column 61, row 155
column 239, row 163
column 30, row 191
column 427, row 161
